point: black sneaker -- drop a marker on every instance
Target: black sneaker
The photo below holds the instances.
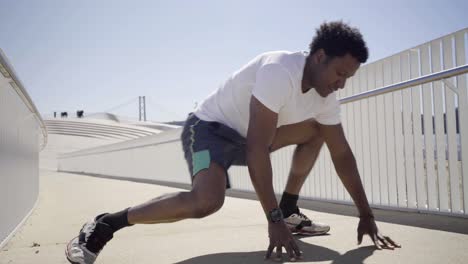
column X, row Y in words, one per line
column 93, row 236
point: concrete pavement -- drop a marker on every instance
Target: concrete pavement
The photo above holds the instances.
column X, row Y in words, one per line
column 236, row 234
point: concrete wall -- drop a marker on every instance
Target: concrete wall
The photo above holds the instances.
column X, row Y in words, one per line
column 22, row 135
column 157, row 157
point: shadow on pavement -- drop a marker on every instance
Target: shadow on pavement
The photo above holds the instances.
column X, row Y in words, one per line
column 312, row 253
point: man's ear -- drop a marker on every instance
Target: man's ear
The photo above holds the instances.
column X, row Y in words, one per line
column 319, row 56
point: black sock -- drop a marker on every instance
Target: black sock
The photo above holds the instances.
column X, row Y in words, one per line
column 288, row 204
column 117, row 220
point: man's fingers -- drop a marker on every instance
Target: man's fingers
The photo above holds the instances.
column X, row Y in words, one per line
column 359, row 238
column 392, row 242
column 269, row 250
column 296, row 249
column 385, row 242
column 279, row 252
column 376, row 241
column 291, row 253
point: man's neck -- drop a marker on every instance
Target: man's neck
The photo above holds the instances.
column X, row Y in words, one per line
column 306, row 82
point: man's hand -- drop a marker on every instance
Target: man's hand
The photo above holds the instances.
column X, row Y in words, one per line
column 367, row 226
column 280, row 237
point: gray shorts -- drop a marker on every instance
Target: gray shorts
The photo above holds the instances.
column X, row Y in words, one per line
column 204, row 142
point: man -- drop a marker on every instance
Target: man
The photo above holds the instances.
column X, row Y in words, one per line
column 277, row 99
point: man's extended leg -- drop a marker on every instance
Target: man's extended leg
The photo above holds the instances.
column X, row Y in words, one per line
column 306, row 135
column 205, row 198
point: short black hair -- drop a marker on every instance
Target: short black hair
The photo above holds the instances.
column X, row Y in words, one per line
column 337, row 38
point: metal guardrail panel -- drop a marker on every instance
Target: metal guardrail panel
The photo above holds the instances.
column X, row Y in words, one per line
column 429, row 172
column 461, row 59
column 450, row 97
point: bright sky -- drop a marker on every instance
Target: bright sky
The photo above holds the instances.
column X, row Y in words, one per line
column 97, row 54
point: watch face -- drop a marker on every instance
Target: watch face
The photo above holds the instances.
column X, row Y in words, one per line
column 276, row 215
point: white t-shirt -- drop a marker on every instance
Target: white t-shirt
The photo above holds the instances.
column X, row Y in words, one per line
column 275, row 79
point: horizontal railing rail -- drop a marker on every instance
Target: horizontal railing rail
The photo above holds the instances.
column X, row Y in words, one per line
column 406, row 84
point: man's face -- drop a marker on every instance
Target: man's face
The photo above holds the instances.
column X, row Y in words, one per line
column 331, row 73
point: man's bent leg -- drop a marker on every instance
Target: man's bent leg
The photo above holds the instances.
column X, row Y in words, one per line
column 306, row 135
column 304, row 157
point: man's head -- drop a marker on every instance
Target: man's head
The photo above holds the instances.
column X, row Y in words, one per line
column 336, row 52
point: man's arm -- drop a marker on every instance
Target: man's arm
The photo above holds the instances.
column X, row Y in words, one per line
column 345, row 165
column 260, row 135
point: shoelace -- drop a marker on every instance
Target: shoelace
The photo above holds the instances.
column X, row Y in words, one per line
column 303, row 216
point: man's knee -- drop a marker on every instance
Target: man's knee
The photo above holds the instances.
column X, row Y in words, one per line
column 206, row 204
column 315, row 138
column 209, row 189
column 304, row 133
column 313, row 142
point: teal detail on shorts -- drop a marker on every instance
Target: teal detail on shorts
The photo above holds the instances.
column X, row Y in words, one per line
column 201, row 160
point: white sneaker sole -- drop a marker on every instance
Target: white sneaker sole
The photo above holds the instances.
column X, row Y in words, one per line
column 67, row 253
column 308, row 233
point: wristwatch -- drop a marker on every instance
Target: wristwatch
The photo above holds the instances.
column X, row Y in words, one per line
column 275, row 215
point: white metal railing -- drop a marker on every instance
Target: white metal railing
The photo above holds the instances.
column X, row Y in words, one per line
column 427, row 184
column 413, row 169
column 20, row 143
